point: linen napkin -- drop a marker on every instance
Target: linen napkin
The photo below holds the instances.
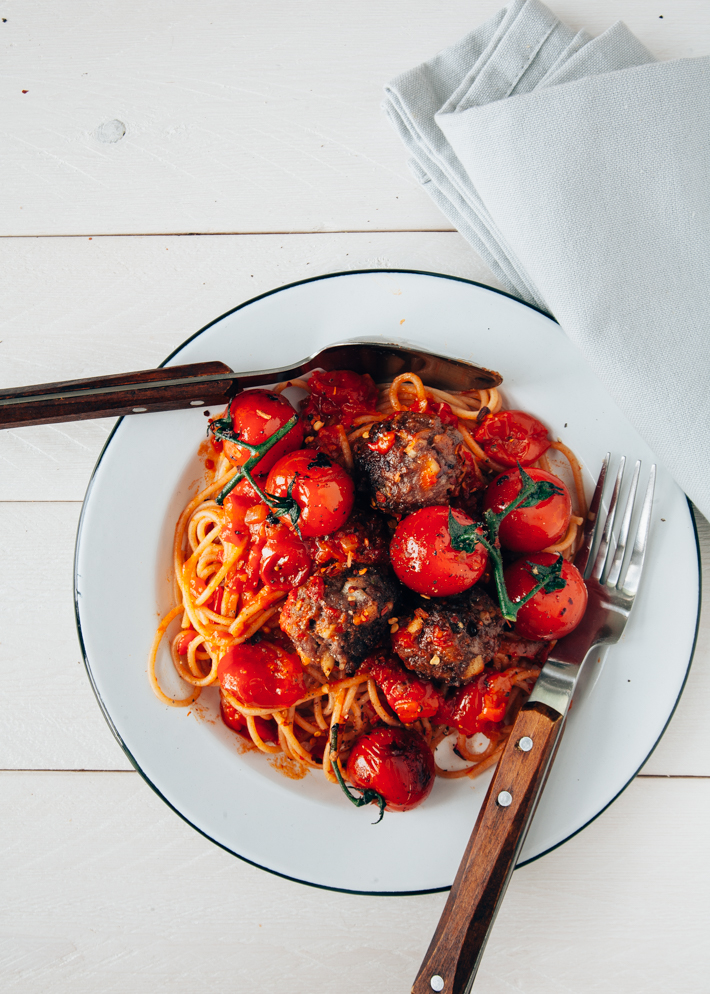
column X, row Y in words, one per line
column 579, row 169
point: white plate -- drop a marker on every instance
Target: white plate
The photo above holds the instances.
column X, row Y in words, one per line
column 306, row 829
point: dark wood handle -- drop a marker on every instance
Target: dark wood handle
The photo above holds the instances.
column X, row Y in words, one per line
column 110, row 396
column 460, row 938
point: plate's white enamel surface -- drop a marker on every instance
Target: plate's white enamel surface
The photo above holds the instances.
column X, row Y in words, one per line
column 306, row 829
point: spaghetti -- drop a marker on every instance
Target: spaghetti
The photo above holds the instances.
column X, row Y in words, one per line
column 222, row 601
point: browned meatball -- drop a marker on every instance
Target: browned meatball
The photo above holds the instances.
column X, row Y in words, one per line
column 420, row 467
column 339, row 620
column 450, row 639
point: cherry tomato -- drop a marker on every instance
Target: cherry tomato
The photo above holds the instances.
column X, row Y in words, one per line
column 546, row 615
column 257, row 415
column 285, row 561
column 529, row 529
column 262, row 675
column 409, row 697
column 512, row 437
column 481, row 705
column 322, row 489
column 423, row 559
column 266, row 727
column 396, row 762
column 445, row 413
column 245, row 489
column 182, row 643
column 235, row 531
column 338, row 396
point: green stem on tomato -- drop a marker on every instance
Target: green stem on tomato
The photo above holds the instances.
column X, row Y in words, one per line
column 368, row 796
column 281, row 506
column 464, row 538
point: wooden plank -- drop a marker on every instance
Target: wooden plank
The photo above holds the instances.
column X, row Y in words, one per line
column 50, row 717
column 104, row 888
column 74, row 307
column 164, row 117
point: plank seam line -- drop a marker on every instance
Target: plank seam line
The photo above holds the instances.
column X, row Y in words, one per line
column 218, row 234
column 75, row 501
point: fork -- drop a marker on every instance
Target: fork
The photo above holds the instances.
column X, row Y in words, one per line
column 457, row 947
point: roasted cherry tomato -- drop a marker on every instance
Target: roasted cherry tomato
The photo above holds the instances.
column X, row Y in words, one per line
column 480, row 706
column 547, row 615
column 409, row 697
column 245, row 489
column 423, row 559
column 512, row 437
column 396, row 762
column 445, row 413
column 339, row 396
column 285, row 560
column 262, row 675
column 257, row 415
column 236, row 531
column 266, row 727
column 529, row 529
column 182, row 642
column 322, row 489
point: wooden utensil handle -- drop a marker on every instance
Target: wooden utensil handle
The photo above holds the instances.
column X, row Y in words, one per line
column 110, row 396
column 455, row 952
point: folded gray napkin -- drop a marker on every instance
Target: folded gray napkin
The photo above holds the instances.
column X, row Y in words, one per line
column 579, row 168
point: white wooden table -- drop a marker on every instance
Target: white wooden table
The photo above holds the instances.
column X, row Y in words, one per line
column 161, row 162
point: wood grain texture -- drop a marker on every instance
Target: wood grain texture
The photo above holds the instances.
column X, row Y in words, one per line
column 142, row 391
column 167, row 117
column 105, row 889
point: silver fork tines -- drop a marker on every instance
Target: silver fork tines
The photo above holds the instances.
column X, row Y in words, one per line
column 628, row 587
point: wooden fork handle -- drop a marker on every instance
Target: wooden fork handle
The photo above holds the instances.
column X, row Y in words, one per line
column 465, row 924
column 110, row 396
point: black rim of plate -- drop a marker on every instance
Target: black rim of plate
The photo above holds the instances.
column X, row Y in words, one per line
column 116, row 733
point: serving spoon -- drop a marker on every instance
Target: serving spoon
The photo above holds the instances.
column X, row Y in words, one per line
column 172, row 388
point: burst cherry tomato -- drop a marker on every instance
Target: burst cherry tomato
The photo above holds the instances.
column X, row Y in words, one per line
column 261, row 675
column 512, row 437
column 409, row 697
column 339, row 396
column 322, row 489
column 236, row 506
column 423, row 559
column 529, row 529
column 547, row 615
column 256, row 416
column 396, row 762
column 285, row 561
column 480, row 706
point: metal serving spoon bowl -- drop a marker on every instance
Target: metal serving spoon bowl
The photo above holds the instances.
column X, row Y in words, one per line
column 173, row 388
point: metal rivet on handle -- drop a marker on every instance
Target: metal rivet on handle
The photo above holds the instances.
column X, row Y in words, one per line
column 196, row 403
column 505, row 798
column 436, row 983
column 526, row 743
column 139, row 410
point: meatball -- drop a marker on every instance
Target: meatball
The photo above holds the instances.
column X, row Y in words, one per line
column 339, row 620
column 450, row 639
column 410, row 460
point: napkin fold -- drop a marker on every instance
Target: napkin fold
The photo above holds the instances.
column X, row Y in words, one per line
column 579, row 168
